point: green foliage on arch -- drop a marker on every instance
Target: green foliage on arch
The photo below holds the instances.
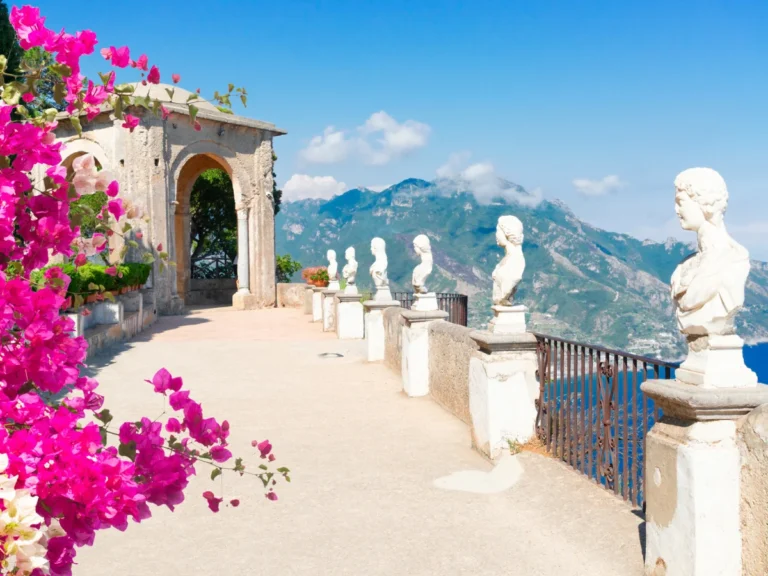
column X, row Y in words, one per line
column 213, row 221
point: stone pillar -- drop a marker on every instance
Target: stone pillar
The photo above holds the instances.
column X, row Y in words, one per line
column 243, row 298
column 415, row 349
column 329, row 309
column 317, row 304
column 692, row 479
column 502, row 391
column 350, row 321
column 374, row 326
column 308, row 292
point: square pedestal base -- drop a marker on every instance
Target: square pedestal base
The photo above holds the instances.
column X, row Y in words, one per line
column 329, row 310
column 508, row 319
column 317, row 304
column 415, row 349
column 425, row 302
column 244, row 301
column 374, row 327
column 308, row 292
column 716, row 362
column 350, row 321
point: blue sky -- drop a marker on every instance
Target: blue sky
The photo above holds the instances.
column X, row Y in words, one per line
column 599, row 103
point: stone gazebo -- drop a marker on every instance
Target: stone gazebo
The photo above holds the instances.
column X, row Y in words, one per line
column 157, row 166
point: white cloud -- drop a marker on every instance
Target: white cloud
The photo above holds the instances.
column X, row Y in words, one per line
column 331, row 147
column 598, row 187
column 379, row 140
column 301, row 186
column 482, row 180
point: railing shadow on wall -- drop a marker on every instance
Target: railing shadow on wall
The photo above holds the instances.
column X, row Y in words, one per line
column 455, row 304
column 592, row 413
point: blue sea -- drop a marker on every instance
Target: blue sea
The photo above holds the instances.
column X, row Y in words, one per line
column 756, row 358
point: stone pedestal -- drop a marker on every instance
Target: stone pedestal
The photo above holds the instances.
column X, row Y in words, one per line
column 351, row 290
column 374, row 327
column 317, row 304
column 329, row 309
column 383, row 295
column 334, row 285
column 502, row 391
column 716, row 362
column 415, row 349
column 350, row 321
column 308, row 292
column 508, row 319
column 244, row 301
column 692, row 479
column 425, row 302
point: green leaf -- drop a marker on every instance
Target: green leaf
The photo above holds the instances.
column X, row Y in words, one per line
column 148, row 258
column 171, row 92
column 105, row 77
column 244, row 100
column 76, row 125
column 128, row 450
column 61, row 70
column 263, row 467
column 11, row 93
column 193, row 113
column 133, row 244
column 215, row 473
column 93, row 287
column 192, row 97
column 78, row 301
column 104, row 416
column 125, row 89
column 163, row 255
column 231, row 87
column 103, row 434
column 109, row 296
column 127, row 227
column 59, row 92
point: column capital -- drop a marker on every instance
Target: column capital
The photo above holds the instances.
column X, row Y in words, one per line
column 242, row 211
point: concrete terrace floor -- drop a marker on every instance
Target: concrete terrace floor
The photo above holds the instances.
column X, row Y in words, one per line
column 364, row 461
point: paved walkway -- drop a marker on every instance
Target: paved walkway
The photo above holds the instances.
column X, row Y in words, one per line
column 368, row 466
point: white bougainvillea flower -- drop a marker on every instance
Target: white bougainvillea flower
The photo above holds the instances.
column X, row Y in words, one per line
column 88, row 179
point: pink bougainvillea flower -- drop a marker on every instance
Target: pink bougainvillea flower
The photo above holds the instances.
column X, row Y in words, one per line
column 115, row 208
column 113, row 189
column 139, row 235
column 142, row 62
column 271, row 496
column 154, row 75
column 176, row 78
column 106, row 53
column 264, row 447
column 198, row 127
column 198, row 90
column 111, row 271
column 163, row 381
column 80, row 259
column 121, row 57
column 165, row 112
column 271, row 458
column 130, row 122
column 160, row 247
column 220, row 454
column 28, row 97
column 234, row 503
column 213, row 502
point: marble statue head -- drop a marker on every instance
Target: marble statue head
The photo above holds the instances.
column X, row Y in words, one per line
column 331, row 255
column 700, row 196
column 378, row 246
column 349, row 254
column 509, row 230
column 421, row 244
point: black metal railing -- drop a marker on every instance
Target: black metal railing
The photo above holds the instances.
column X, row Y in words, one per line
column 592, row 413
column 215, row 266
column 455, row 304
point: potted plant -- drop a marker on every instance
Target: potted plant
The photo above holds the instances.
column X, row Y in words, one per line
column 320, row 278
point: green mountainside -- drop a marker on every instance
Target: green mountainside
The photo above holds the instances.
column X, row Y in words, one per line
column 580, row 282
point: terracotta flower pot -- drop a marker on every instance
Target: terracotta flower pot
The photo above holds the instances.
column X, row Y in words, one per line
column 91, row 298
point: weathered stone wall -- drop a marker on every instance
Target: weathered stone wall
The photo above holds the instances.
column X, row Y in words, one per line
column 450, row 349
column 752, row 439
column 290, row 295
column 211, row 291
column 393, row 339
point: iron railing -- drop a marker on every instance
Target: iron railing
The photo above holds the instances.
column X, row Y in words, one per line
column 592, row 413
column 455, row 304
column 215, row 266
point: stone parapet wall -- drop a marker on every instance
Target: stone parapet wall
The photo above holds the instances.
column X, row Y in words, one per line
column 211, row 291
column 450, row 349
column 752, row 439
column 290, row 295
column 393, row 345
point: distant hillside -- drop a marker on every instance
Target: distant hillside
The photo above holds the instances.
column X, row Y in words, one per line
column 580, row 282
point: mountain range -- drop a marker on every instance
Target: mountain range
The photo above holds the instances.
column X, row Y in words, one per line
column 580, row 282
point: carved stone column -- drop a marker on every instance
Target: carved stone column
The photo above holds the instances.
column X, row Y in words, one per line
column 243, row 298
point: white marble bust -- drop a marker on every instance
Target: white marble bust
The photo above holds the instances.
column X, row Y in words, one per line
column 508, row 272
column 350, row 271
column 708, row 287
column 333, row 266
column 424, row 268
column 378, row 269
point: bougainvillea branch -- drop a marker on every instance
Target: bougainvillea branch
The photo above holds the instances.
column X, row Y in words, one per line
column 65, row 473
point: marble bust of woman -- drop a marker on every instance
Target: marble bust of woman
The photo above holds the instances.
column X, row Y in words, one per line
column 708, row 286
column 350, row 271
column 508, row 272
column 333, row 266
column 378, row 269
column 423, row 249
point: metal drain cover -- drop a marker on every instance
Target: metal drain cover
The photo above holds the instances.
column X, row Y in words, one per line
column 331, row 355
